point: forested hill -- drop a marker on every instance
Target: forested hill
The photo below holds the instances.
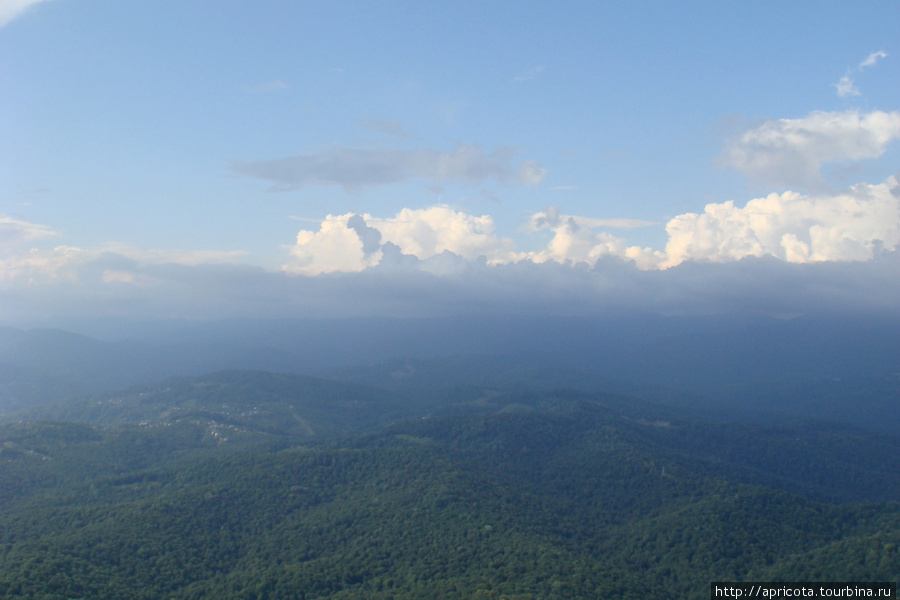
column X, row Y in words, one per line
column 522, row 495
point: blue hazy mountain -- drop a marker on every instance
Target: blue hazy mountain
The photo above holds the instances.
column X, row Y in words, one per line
column 844, row 369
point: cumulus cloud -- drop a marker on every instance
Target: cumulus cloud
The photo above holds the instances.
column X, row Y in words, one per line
column 357, row 168
column 575, row 241
column 354, row 242
column 428, row 232
column 791, row 152
column 854, row 225
column 850, row 226
column 335, row 247
column 11, row 9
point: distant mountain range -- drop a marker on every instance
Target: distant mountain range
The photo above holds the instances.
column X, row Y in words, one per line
column 768, row 368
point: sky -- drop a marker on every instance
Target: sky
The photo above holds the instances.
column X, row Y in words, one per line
column 198, row 159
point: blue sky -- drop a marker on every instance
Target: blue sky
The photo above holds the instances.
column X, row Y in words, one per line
column 354, row 158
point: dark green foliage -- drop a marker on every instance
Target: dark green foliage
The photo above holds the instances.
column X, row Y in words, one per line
column 515, row 496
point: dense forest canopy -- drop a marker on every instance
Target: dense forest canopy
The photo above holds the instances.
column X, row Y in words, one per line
column 248, row 484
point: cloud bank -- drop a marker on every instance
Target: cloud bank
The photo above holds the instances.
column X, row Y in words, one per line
column 440, row 261
column 853, row 225
column 109, row 285
column 789, row 252
column 399, row 262
column 355, row 169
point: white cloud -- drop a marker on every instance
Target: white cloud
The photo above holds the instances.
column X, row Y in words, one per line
column 791, row 152
column 574, row 241
column 851, row 226
column 845, row 87
column 356, row 242
column 358, row 168
column 14, row 231
column 854, row 225
column 428, row 232
column 872, row 59
column 67, row 262
column 353, row 242
column 11, row 9
column 34, row 266
column 745, row 265
column 335, row 247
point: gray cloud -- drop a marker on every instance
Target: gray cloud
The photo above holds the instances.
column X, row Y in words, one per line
column 357, row 168
column 369, row 236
